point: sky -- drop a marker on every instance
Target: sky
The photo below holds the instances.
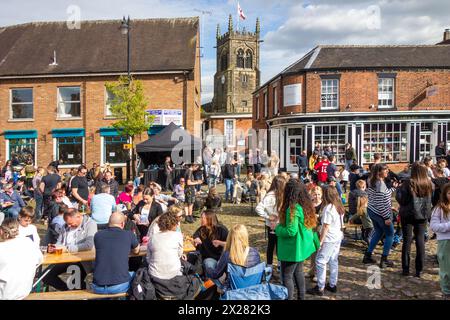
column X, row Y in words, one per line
column 289, row 28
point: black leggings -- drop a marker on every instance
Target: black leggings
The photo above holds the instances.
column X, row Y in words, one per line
column 291, row 271
column 416, row 230
column 271, row 245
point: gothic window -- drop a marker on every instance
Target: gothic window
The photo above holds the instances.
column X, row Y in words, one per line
column 224, row 62
column 240, row 59
column 248, row 59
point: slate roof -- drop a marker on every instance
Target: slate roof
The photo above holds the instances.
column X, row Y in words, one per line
column 98, row 47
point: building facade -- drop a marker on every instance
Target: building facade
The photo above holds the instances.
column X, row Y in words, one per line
column 228, row 117
column 392, row 100
column 52, row 86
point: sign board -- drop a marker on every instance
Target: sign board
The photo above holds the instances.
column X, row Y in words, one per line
column 432, row 91
column 127, row 146
column 292, row 95
column 164, row 117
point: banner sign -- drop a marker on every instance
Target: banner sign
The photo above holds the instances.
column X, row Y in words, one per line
column 164, row 117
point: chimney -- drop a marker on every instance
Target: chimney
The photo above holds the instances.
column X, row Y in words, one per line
column 447, row 35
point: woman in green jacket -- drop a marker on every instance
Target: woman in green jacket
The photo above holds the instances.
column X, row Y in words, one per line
column 296, row 238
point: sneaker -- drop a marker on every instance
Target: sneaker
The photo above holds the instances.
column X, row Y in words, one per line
column 315, row 291
column 417, row 275
column 386, row 262
column 405, row 273
column 330, row 288
column 368, row 258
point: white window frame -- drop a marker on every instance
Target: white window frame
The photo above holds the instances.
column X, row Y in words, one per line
column 275, row 100
column 226, row 133
column 11, row 104
column 385, row 85
column 69, row 166
column 376, row 134
column 107, row 106
column 322, row 87
column 59, row 102
column 103, row 153
column 319, row 137
column 266, row 105
column 257, row 107
column 7, row 150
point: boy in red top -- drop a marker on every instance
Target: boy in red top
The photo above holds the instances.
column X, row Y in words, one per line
column 321, row 169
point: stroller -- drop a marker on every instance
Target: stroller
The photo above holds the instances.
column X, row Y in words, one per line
column 252, row 284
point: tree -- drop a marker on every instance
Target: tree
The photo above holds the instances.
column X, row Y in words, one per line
column 129, row 106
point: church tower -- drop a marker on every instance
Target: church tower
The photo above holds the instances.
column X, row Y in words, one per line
column 237, row 69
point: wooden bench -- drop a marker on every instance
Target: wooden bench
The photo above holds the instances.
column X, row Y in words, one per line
column 73, row 295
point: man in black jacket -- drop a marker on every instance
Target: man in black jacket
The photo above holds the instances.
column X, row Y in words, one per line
column 228, row 176
column 440, row 150
column 109, row 180
column 302, row 163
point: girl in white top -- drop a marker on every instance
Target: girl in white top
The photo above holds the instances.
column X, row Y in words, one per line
column 19, row 258
column 268, row 209
column 26, row 229
column 331, row 236
column 440, row 224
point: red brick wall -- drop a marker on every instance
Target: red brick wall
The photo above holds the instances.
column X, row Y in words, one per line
column 162, row 92
column 359, row 89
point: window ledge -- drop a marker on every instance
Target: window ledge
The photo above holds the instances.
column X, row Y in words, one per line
column 386, row 108
column 68, row 118
column 329, row 109
column 109, row 118
column 21, row 120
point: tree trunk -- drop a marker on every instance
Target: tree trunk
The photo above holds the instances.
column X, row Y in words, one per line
column 133, row 159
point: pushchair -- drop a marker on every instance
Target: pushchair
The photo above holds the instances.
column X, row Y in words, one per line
column 252, row 284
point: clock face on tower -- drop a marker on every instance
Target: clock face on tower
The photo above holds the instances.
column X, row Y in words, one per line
column 222, row 79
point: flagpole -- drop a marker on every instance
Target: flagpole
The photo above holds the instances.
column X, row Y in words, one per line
column 238, row 18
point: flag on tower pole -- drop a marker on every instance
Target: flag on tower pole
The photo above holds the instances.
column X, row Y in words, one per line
column 241, row 12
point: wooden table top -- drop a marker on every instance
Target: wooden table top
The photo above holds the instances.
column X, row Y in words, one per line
column 86, row 256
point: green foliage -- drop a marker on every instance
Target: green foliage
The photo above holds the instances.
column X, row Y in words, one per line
column 129, row 107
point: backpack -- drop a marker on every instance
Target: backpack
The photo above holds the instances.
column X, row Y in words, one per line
column 142, row 287
column 422, row 208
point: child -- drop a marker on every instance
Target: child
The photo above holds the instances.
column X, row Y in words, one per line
column 440, row 224
column 344, row 175
column 354, row 176
column 56, row 226
column 442, row 163
column 331, row 236
column 26, row 229
column 213, row 201
column 357, row 207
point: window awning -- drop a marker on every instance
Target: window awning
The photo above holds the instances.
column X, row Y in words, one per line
column 20, row 134
column 155, row 130
column 68, row 132
column 108, row 132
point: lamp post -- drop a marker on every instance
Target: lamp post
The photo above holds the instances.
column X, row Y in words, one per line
column 125, row 30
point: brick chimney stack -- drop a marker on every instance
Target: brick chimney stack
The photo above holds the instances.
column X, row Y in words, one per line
column 447, row 35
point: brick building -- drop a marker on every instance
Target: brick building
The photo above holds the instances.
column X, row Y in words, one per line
column 228, row 118
column 52, row 86
column 392, row 100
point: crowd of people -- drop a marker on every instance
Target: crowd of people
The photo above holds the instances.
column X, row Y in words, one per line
column 304, row 217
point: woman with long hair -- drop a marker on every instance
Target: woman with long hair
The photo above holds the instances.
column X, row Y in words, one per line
column 331, row 236
column 210, row 238
column 269, row 208
column 145, row 212
column 316, row 194
column 237, row 251
column 297, row 219
column 379, row 209
column 414, row 197
column 440, row 224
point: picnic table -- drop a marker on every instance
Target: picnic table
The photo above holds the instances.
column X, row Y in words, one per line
column 51, row 259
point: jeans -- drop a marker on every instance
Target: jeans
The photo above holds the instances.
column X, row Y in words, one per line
column 328, row 254
column 212, row 181
column 118, row 288
column 228, row 189
column 380, row 228
column 13, row 212
column 39, row 205
column 271, row 244
column 348, row 163
column 238, row 172
column 291, row 271
column 443, row 255
column 418, row 228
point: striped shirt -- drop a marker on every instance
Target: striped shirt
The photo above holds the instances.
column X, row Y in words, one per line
column 380, row 200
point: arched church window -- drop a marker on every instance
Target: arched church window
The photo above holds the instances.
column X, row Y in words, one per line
column 249, row 59
column 224, row 62
column 240, row 59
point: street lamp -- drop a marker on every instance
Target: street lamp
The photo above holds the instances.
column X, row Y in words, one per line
column 125, row 30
